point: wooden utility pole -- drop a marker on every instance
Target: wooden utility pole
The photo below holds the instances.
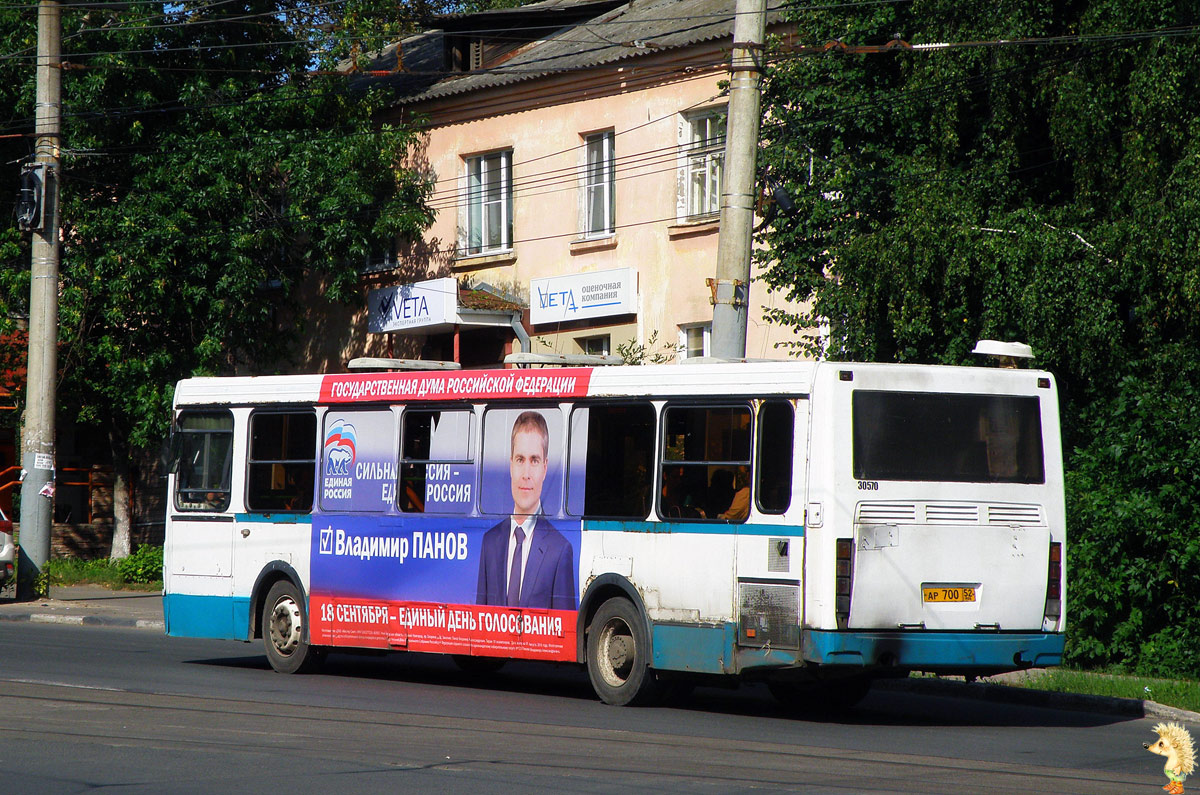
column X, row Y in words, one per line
column 731, row 288
column 37, row 437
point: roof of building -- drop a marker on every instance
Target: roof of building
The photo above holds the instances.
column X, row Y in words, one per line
column 570, row 35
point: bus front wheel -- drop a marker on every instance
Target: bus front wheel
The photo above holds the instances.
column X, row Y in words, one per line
column 618, row 655
column 284, row 629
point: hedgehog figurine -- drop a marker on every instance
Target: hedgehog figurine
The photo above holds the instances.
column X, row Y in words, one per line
column 1175, row 744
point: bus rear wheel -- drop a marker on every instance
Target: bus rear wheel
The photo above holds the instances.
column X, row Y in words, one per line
column 284, row 630
column 618, row 655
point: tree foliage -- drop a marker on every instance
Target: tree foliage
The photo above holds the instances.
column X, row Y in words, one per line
column 1044, row 192
column 207, row 174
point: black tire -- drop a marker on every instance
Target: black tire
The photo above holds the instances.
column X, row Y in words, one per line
column 285, row 631
column 822, row 695
column 618, row 655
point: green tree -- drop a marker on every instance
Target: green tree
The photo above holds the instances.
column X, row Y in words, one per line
column 1044, row 192
column 206, row 177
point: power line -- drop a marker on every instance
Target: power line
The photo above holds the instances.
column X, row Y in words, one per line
column 341, row 89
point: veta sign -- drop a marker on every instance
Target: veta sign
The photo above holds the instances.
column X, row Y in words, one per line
column 583, row 295
column 408, row 307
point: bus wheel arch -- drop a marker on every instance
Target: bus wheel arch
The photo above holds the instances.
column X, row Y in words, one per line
column 599, row 591
column 273, row 572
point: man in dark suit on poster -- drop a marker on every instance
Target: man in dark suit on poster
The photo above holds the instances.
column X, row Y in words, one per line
column 525, row 560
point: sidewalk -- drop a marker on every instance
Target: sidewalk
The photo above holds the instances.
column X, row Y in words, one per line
column 88, row 605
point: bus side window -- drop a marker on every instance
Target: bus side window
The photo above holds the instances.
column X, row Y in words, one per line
column 282, row 461
column 773, row 464
column 204, row 462
column 612, row 461
column 706, row 463
column 437, row 470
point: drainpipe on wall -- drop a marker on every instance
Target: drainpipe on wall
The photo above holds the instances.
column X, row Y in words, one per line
column 522, row 335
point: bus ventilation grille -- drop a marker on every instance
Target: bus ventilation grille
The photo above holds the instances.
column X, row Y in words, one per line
column 948, row 513
column 769, row 616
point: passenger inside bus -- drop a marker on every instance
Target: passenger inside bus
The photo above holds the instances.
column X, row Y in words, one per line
column 739, row 504
column 679, row 497
column 720, row 492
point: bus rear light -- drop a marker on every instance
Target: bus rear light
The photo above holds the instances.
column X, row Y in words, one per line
column 843, row 576
column 1054, row 581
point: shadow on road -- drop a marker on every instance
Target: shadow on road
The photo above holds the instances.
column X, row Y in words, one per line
column 884, row 706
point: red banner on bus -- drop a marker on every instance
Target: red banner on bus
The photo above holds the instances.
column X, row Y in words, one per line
column 564, row 382
column 480, row 630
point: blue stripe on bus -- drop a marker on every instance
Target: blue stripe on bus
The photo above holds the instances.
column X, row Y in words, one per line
column 943, row 650
column 707, row 528
column 698, row 649
column 275, row 518
column 191, row 616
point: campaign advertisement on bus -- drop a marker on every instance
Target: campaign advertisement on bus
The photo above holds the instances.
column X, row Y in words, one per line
column 451, row 550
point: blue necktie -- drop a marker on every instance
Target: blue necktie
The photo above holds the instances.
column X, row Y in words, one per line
column 514, row 572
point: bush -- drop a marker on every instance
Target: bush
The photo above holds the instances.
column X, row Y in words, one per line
column 143, row 566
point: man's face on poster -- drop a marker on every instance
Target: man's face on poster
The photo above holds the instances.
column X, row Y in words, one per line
column 527, row 467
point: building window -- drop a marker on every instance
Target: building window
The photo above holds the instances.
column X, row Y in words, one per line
column 596, row 346
column 694, row 340
column 489, row 222
column 705, row 153
column 598, row 192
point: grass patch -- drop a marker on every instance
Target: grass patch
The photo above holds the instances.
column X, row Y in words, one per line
column 1180, row 693
column 103, row 572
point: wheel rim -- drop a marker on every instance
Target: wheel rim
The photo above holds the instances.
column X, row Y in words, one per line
column 618, row 651
column 286, row 625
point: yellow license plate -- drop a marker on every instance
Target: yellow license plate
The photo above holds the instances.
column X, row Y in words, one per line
column 948, row 593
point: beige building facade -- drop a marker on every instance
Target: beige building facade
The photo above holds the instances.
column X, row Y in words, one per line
column 576, row 179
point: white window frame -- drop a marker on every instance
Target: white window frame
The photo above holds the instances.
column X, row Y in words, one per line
column 599, row 185
column 604, row 340
column 703, row 163
column 479, row 232
column 706, row 339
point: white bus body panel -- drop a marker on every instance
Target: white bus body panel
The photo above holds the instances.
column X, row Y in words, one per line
column 908, row 534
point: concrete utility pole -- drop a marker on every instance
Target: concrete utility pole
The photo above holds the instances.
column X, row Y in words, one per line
column 731, row 288
column 37, row 438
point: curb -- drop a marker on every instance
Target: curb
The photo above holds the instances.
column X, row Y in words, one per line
column 1007, row 694
column 86, row 621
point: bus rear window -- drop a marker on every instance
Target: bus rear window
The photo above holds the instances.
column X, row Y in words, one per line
column 947, row 437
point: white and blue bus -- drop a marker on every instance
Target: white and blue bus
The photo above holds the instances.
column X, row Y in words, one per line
column 811, row 525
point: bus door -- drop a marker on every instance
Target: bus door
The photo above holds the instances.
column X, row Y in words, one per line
column 948, row 529
column 198, row 556
column 276, row 526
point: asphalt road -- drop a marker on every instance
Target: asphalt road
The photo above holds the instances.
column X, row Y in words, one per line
column 127, row 711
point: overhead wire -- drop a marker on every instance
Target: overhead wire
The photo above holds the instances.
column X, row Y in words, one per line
column 519, row 32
